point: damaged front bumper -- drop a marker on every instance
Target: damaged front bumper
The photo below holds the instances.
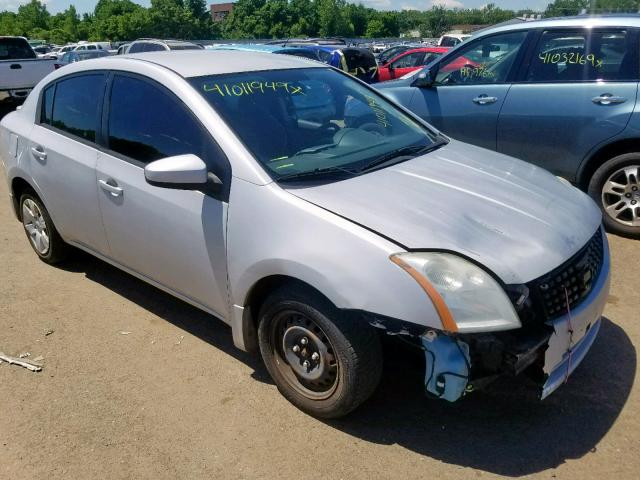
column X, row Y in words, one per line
column 547, row 352
column 456, row 364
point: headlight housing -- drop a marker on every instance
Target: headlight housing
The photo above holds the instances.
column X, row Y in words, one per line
column 465, row 296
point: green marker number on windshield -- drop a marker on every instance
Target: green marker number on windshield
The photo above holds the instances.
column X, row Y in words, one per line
column 252, row 88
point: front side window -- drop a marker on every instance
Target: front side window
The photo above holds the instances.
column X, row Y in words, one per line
column 409, row 60
column 584, row 55
column 303, row 121
column 76, row 105
column 147, row 123
column 486, row 60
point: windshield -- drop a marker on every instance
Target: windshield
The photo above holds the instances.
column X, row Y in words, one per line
column 310, row 119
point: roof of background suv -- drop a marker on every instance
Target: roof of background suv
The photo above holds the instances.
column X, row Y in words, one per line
column 168, row 43
column 583, row 21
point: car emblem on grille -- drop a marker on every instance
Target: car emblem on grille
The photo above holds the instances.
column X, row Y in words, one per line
column 544, row 287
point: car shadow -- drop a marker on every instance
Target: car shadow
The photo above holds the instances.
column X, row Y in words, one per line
column 184, row 316
column 503, row 429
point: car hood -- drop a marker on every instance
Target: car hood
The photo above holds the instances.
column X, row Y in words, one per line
column 516, row 219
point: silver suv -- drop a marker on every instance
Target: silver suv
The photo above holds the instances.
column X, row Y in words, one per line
column 235, row 181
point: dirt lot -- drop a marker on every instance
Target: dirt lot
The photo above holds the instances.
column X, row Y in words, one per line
column 174, row 399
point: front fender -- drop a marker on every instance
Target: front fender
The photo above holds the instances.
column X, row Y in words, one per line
column 271, row 232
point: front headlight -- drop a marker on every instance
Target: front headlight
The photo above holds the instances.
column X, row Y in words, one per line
column 466, row 297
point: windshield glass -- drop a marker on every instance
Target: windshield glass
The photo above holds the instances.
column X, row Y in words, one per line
column 310, row 119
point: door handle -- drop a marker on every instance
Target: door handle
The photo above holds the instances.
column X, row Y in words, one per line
column 15, row 66
column 608, row 99
column 39, row 153
column 485, row 100
column 114, row 190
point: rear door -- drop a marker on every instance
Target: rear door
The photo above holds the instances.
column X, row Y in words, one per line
column 175, row 238
column 470, row 88
column 63, row 156
column 578, row 90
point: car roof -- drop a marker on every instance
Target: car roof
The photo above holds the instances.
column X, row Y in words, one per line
column 426, row 49
column 581, row 21
column 197, row 63
column 169, row 43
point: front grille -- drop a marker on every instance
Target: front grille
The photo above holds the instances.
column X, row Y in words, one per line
column 574, row 278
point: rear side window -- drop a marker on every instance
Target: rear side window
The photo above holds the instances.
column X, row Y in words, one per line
column 584, row 55
column 47, row 104
column 147, row 123
column 153, row 47
column 136, row 48
column 76, row 105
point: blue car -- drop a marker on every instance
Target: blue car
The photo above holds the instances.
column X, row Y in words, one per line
column 559, row 93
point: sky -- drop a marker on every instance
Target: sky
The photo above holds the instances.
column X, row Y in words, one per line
column 82, row 6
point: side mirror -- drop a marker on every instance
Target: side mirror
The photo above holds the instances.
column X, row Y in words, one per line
column 425, row 79
column 184, row 172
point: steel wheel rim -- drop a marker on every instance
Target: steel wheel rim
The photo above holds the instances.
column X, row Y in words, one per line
column 35, row 226
column 621, row 196
column 297, row 339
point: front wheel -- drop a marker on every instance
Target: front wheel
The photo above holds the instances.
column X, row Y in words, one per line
column 615, row 186
column 323, row 363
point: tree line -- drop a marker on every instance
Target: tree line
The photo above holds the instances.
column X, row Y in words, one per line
column 119, row 20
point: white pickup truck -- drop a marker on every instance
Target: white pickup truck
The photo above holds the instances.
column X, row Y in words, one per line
column 20, row 69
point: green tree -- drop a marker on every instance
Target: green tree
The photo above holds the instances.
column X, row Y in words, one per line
column 563, row 8
column 32, row 18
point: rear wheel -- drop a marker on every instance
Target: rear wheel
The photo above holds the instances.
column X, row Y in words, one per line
column 322, row 362
column 615, row 186
column 40, row 230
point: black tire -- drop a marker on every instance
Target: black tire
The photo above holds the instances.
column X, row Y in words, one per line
column 57, row 249
column 352, row 361
column 611, row 169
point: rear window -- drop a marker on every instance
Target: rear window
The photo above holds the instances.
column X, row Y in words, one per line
column 14, row 49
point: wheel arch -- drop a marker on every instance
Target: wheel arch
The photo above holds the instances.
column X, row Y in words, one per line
column 601, row 155
column 245, row 334
column 18, row 186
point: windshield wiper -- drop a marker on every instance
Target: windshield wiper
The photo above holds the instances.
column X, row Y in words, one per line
column 401, row 154
column 316, row 172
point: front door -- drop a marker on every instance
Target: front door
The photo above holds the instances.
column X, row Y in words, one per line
column 176, row 238
column 470, row 88
column 579, row 90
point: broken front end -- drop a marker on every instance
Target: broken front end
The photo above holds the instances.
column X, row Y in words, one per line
column 559, row 313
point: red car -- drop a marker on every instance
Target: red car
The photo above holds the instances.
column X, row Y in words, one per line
column 411, row 60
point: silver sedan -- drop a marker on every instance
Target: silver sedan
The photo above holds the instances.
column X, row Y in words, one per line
column 313, row 216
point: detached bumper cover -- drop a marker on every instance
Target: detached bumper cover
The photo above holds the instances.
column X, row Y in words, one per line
column 574, row 333
column 570, row 361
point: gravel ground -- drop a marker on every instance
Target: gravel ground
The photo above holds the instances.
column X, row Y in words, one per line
column 174, row 399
